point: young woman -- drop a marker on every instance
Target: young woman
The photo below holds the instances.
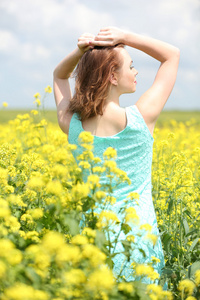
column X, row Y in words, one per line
column 104, row 72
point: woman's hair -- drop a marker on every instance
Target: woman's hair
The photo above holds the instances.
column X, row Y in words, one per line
column 92, row 80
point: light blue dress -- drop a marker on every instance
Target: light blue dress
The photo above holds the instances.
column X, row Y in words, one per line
column 134, row 147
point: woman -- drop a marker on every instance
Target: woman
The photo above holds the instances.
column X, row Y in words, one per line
column 105, row 72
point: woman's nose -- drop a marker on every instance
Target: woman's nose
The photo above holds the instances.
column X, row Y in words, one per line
column 136, row 72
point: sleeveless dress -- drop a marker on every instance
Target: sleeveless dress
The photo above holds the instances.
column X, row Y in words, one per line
column 134, row 147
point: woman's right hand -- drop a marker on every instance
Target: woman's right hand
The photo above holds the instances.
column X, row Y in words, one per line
column 109, row 36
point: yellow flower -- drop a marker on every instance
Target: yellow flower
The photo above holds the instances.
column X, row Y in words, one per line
column 89, row 232
column 110, row 153
column 36, row 183
column 131, row 216
column 157, row 289
column 34, row 112
column 144, row 270
column 39, row 255
column 48, row 89
column 36, row 213
column 68, row 253
column 197, row 277
column 152, row 237
column 37, row 101
column 4, row 104
column 130, row 238
column 98, row 169
column 75, row 277
column 100, row 195
column 4, row 209
column 86, row 137
column 79, row 240
column 187, row 286
column 110, row 164
column 146, row 226
column 134, row 195
column 13, row 223
column 81, row 190
column 54, row 187
column 110, row 199
column 155, row 259
column 22, row 291
column 37, row 95
column 93, row 181
column 93, row 254
column 52, row 241
column 16, row 200
column 106, row 218
column 125, row 287
column 84, row 164
column 191, row 298
column 101, row 279
column 2, row 269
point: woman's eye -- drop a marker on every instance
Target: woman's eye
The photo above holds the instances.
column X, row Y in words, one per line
column 131, row 67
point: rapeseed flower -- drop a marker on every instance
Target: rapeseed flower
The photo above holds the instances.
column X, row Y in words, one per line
column 101, row 279
column 144, row 270
column 131, row 216
column 107, row 218
column 93, row 254
column 4, row 104
column 109, row 153
column 86, row 137
column 187, row 286
column 48, row 89
column 75, row 277
column 197, row 277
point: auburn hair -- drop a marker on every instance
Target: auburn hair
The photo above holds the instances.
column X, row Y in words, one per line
column 92, row 80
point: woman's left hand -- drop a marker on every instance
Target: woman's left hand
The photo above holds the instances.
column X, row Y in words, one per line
column 85, row 42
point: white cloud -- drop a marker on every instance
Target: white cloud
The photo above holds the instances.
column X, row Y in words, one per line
column 8, row 41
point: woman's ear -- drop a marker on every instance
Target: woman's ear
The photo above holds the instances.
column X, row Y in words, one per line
column 113, row 78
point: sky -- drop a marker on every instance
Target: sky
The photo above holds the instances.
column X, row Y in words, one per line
column 35, row 35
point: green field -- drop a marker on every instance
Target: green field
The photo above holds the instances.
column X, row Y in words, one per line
column 50, row 115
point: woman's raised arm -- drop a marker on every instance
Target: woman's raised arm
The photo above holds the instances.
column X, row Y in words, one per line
column 61, row 74
column 151, row 103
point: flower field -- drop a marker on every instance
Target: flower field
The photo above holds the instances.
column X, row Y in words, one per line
column 55, row 246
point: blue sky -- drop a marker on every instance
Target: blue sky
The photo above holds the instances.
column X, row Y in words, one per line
column 35, row 35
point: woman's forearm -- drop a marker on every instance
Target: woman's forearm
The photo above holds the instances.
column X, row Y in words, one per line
column 157, row 49
column 68, row 64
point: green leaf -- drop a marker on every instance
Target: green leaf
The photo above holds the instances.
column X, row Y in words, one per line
column 167, row 271
column 193, row 268
column 109, row 262
column 185, row 210
column 72, row 224
column 141, row 290
column 185, row 225
column 100, row 239
column 194, row 244
column 192, row 231
column 32, row 275
column 125, row 228
column 166, row 238
column 170, row 205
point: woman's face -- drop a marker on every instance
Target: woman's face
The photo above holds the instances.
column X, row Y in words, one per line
column 127, row 74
